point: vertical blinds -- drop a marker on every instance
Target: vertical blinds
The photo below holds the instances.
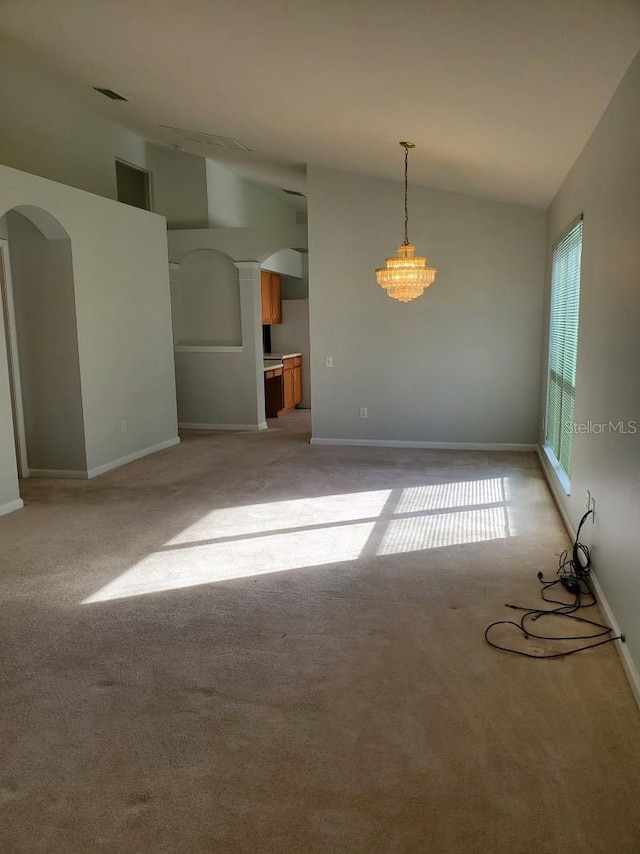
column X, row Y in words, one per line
column 563, row 345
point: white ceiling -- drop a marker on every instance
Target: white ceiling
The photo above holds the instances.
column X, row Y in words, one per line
column 499, row 96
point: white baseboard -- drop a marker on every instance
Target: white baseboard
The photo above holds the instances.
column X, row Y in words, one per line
column 63, row 473
column 184, row 425
column 553, row 485
column 10, row 506
column 114, row 464
column 628, row 663
column 205, row 348
column 439, row 446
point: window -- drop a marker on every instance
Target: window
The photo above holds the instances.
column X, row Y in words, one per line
column 563, row 347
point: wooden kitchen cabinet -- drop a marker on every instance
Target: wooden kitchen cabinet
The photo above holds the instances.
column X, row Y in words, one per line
column 297, row 385
column 273, row 392
column 271, row 297
column 291, row 382
column 288, row 389
column 282, row 384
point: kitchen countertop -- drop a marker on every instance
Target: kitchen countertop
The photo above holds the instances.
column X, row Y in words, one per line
column 269, row 366
column 278, row 357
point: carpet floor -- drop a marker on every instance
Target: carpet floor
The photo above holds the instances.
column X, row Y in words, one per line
column 246, row 643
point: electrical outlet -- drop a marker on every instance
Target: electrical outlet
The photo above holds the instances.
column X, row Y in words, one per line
column 123, row 426
column 328, row 362
column 593, row 509
column 364, row 412
column 588, row 499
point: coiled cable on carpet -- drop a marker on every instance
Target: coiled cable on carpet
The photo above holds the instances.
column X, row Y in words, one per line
column 572, row 575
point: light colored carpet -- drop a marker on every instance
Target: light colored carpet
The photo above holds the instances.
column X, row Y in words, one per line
column 248, row 644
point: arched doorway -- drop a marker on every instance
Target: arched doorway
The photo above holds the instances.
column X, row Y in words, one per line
column 39, row 318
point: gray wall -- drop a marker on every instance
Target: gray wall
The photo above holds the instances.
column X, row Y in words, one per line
column 205, row 298
column 179, row 186
column 604, row 184
column 63, row 138
column 241, row 244
column 237, row 203
column 287, row 262
column 46, row 132
column 222, row 386
column 297, row 288
column 216, row 390
column 214, row 387
column 459, row 365
column 9, row 498
column 47, row 347
column 123, row 316
column 221, row 389
column 123, row 310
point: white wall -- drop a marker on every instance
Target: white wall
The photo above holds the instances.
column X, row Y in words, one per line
column 123, row 315
column 46, row 132
column 47, row 336
column 237, row 203
column 459, row 365
column 604, row 185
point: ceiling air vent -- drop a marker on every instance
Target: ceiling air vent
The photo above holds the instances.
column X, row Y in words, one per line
column 115, row 96
column 207, row 138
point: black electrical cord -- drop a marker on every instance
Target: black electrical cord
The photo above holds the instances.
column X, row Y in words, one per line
column 572, row 573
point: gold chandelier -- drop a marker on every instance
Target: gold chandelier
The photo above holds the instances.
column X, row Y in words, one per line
column 404, row 278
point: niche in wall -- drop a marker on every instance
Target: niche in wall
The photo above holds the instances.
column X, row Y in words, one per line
column 205, row 300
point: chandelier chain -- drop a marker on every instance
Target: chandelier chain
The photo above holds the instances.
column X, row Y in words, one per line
column 406, row 207
column 404, row 278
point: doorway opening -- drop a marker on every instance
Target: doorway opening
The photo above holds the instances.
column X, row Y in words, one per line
column 11, row 343
column 285, row 333
column 39, row 321
column 133, row 185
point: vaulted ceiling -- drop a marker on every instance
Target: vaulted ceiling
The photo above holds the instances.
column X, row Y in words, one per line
column 499, row 96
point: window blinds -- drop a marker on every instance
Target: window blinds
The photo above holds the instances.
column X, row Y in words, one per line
column 563, row 345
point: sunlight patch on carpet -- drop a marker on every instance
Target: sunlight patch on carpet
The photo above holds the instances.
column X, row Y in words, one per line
column 239, row 542
column 447, row 529
column 276, row 515
column 194, row 565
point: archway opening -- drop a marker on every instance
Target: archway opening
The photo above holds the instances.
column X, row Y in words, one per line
column 290, row 334
column 39, row 319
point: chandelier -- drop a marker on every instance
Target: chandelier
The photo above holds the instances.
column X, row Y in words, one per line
column 404, row 278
